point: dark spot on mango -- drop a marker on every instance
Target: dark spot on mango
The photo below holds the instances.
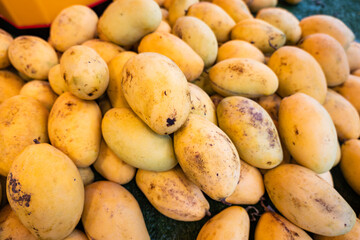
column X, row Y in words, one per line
column 90, row 94
column 236, row 68
column 152, row 186
column 36, row 141
column 69, row 104
column 324, row 204
column 170, row 121
column 16, row 194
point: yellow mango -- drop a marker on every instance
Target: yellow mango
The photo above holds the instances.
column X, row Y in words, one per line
column 68, row 131
column 283, row 20
column 239, row 49
column 169, row 45
column 252, row 131
column 261, row 34
column 328, row 25
column 179, row 9
column 350, row 90
column 250, row 187
column 51, row 210
column 231, row 224
column 135, row 143
column 207, row 156
column 114, row 90
column 353, row 56
column 111, row 167
column 344, row 115
column 10, row 85
column 272, row 226
column 32, row 56
column 308, row 201
column 5, row 41
column 298, row 71
column 136, row 18
column 309, row 127
column 173, row 194
column 237, row 9
column 330, row 55
column 157, row 91
column 11, row 227
column 215, row 17
column 198, row 36
column 41, row 91
column 201, row 103
column 354, row 234
column 349, row 164
column 107, row 205
column 73, row 26
column 243, row 76
column 22, row 119
column 105, row 49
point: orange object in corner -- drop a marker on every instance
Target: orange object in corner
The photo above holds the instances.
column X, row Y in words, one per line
column 36, row 13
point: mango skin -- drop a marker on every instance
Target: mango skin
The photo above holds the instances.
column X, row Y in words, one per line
column 179, row 9
column 56, row 80
column 232, row 224
column 106, row 206
column 5, row 41
column 309, row 127
column 137, row 18
column 215, row 17
column 264, row 36
column 252, row 131
column 169, row 45
column 237, row 9
column 308, row 201
column 353, row 56
column 68, row 131
column 198, row 36
column 135, row 143
column 76, row 235
column 207, row 156
column 272, row 226
column 344, row 115
column 41, row 91
column 114, row 90
column 350, row 90
column 283, row 20
column 243, row 76
column 105, row 49
column 349, row 163
column 330, row 55
column 85, row 73
column 22, row 119
column 10, row 85
column 157, row 91
column 73, row 26
column 328, row 25
column 173, row 194
column 250, row 187
column 201, row 103
column 239, row 49
column 113, row 168
column 298, row 71
column 354, row 234
column 11, row 227
column 52, row 210
column 32, row 56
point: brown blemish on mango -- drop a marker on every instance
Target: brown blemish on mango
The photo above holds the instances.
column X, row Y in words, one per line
column 16, row 194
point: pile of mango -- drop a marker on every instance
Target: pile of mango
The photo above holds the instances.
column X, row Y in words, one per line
column 190, row 98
